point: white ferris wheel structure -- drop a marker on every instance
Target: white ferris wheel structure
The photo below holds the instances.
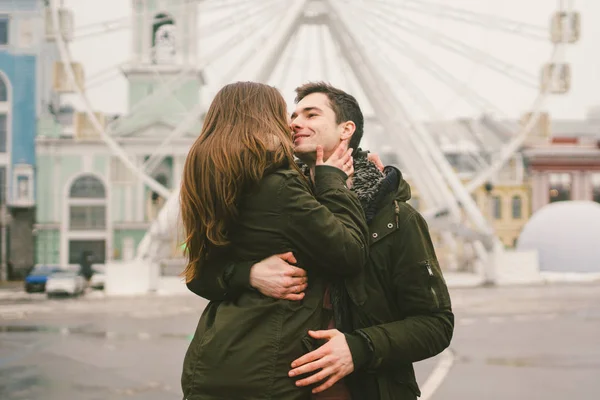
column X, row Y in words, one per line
column 411, row 63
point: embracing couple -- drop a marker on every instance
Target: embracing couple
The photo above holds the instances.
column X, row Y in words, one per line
column 323, row 282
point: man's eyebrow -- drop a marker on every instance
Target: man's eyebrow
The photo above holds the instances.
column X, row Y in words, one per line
column 306, row 109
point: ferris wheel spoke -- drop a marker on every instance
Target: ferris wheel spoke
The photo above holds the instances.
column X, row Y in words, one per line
column 488, row 21
column 307, row 59
column 413, row 155
column 438, row 125
column 249, row 28
column 287, row 60
column 101, row 80
column 230, row 20
column 392, row 18
column 207, row 6
column 287, row 26
column 112, row 69
column 190, row 118
column 426, row 63
column 321, row 39
column 266, row 29
column 435, row 163
column 166, row 89
column 345, row 69
column 395, row 76
column 101, row 28
column 258, row 38
column 398, row 78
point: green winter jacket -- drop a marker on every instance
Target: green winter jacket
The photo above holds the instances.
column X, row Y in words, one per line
column 400, row 306
column 243, row 347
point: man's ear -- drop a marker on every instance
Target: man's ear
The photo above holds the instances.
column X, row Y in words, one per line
column 348, row 129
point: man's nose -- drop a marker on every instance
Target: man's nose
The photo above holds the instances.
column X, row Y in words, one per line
column 295, row 123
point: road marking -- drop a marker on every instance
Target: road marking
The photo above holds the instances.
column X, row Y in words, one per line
column 546, row 317
column 438, row 375
column 12, row 315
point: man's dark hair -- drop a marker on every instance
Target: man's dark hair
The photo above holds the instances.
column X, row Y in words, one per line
column 344, row 106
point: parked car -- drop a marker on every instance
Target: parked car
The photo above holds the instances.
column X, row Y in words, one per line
column 36, row 280
column 98, row 279
column 65, row 282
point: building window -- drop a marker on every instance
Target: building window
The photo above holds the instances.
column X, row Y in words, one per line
column 3, row 132
column 596, row 187
column 87, row 187
column 497, row 207
column 22, row 187
column 82, row 218
column 87, row 212
column 560, row 187
column 4, row 30
column 517, row 207
column 87, row 207
column 80, row 248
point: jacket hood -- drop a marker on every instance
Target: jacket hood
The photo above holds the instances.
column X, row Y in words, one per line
column 403, row 188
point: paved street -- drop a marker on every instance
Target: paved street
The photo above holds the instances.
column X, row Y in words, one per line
column 510, row 343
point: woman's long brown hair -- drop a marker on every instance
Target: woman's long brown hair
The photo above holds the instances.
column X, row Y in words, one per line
column 245, row 133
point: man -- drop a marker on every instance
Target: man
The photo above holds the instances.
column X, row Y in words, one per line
column 85, row 266
column 396, row 313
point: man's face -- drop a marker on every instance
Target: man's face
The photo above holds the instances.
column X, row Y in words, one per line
column 314, row 123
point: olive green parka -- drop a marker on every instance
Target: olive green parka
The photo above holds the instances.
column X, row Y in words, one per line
column 400, row 306
column 243, row 347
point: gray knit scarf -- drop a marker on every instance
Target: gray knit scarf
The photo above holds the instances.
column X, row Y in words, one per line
column 366, row 183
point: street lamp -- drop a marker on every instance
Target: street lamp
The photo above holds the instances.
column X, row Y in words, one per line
column 5, row 220
column 489, row 268
column 36, row 244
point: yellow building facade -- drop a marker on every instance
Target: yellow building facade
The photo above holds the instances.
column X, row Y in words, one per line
column 507, row 206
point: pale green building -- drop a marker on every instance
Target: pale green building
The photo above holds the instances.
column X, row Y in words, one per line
column 87, row 199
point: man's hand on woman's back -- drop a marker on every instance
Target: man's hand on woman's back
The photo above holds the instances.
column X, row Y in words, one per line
column 276, row 277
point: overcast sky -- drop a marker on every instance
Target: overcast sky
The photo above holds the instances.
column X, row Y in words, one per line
column 110, row 49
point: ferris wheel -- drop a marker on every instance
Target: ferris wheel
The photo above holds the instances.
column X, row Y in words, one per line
column 416, row 66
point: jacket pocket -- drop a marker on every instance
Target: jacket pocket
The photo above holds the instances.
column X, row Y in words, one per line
column 436, row 284
column 398, row 386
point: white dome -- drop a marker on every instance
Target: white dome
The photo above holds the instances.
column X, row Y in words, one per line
column 566, row 235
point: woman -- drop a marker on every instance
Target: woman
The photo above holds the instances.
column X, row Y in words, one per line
column 243, row 195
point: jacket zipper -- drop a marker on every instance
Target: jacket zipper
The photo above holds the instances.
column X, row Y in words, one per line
column 433, row 292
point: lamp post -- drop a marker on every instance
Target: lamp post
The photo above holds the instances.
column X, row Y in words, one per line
column 5, row 220
column 489, row 267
